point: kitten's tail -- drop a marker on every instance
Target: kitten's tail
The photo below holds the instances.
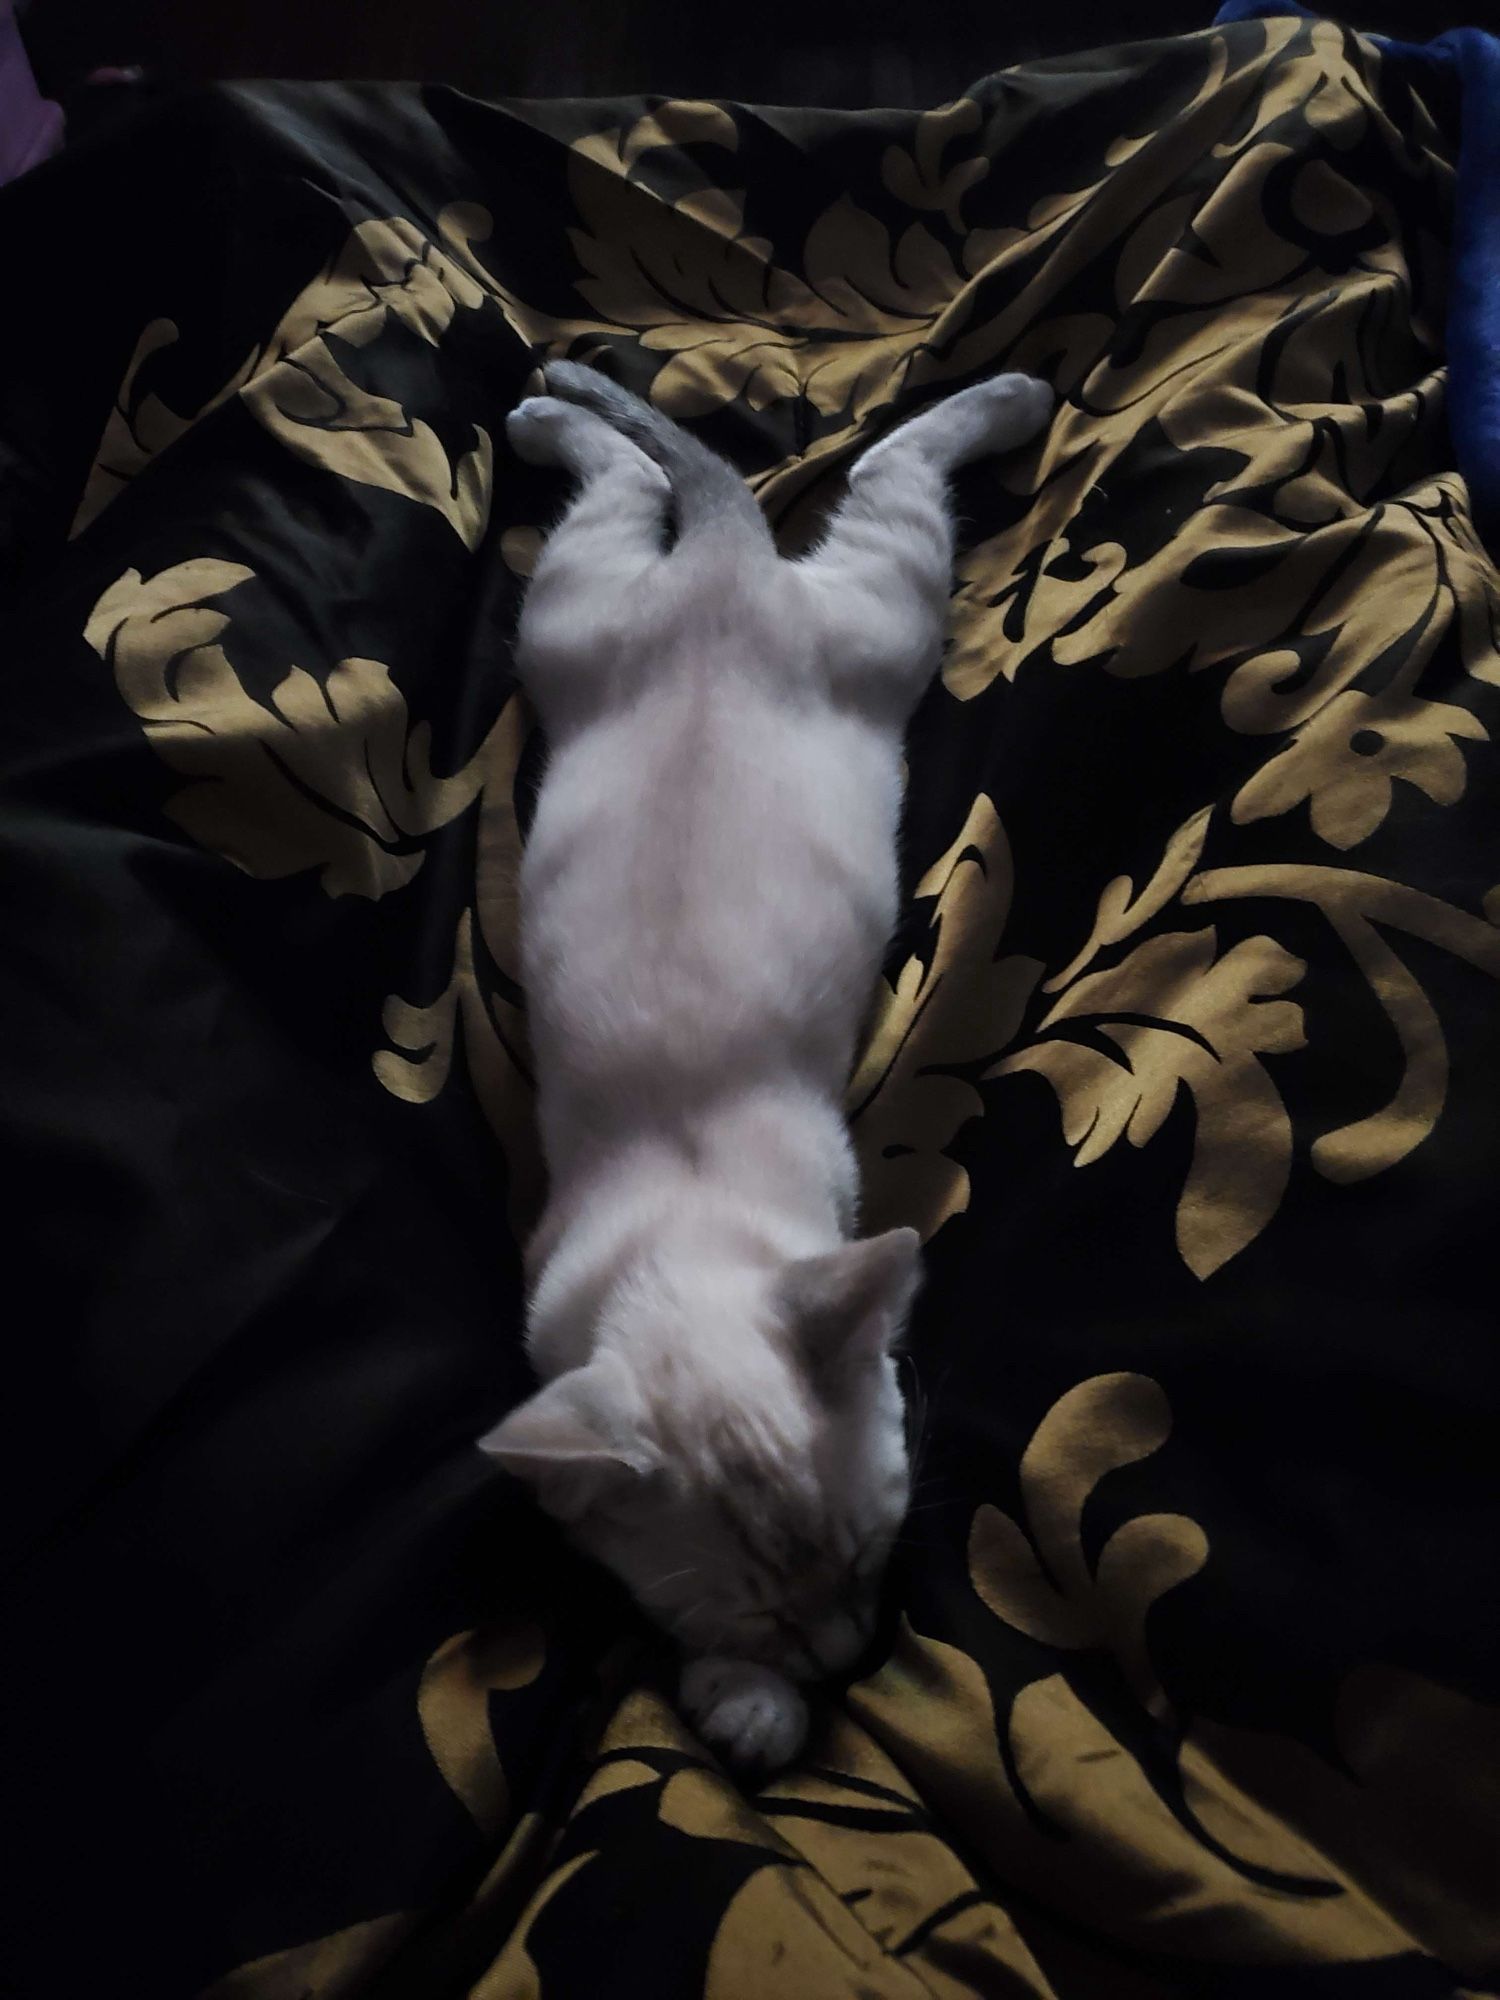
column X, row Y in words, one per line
column 709, row 493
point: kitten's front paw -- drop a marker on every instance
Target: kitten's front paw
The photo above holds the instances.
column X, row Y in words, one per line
column 751, row 1715
column 536, row 428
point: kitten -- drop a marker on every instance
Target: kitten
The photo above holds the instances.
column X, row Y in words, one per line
column 707, row 890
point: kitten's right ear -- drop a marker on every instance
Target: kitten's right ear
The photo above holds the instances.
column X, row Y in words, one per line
column 573, row 1441
column 851, row 1303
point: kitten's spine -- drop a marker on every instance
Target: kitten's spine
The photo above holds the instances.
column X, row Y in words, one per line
column 709, row 492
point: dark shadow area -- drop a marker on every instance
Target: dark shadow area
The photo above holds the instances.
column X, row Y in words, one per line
column 831, row 52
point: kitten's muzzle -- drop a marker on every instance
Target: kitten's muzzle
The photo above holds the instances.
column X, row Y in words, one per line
column 828, row 1645
column 813, row 1647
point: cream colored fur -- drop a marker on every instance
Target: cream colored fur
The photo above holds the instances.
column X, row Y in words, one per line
column 708, row 887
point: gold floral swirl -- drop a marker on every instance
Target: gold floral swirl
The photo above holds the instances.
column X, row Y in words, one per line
column 1354, row 904
column 858, row 1822
column 1121, row 912
column 1347, row 747
column 1039, row 1579
column 837, row 1911
column 1068, row 1783
column 735, row 325
column 956, row 1005
column 785, row 1914
column 1289, row 387
column 1178, row 1013
column 302, row 396
column 918, row 177
column 416, row 1064
column 857, row 323
column 784, row 1931
column 685, row 278
column 326, row 774
column 333, row 775
column 1346, row 759
column 140, row 426
column 336, row 1967
column 481, row 1008
column 453, row 1707
column 453, row 1710
column 1178, row 1017
column 513, row 1973
column 1369, row 1145
column 1228, row 256
column 307, row 403
column 1164, row 152
column 293, row 384
column 1387, row 1810
column 679, row 121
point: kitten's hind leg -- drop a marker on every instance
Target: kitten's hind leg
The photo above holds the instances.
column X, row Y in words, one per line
column 879, row 581
column 578, row 601
column 987, row 417
column 616, row 521
column 545, row 430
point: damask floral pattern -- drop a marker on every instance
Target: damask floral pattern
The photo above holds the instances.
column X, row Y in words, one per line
column 1181, row 1062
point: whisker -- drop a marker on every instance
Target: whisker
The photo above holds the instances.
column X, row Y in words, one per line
column 672, row 1576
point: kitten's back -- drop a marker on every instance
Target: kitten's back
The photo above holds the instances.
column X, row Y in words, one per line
column 708, row 877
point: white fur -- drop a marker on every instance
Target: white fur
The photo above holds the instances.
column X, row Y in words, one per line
column 708, row 886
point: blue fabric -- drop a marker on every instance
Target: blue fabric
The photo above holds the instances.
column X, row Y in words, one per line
column 1471, row 59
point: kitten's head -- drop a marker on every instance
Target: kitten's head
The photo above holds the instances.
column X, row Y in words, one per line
column 747, row 1493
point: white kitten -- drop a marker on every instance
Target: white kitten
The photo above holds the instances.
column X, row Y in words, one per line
column 707, row 890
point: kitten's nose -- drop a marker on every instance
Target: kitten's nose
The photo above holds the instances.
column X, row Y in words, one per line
column 836, row 1640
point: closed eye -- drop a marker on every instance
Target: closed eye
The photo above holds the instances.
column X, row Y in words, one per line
column 870, row 1557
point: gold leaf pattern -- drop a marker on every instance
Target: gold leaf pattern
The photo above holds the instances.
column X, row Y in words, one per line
column 480, row 1007
column 140, row 425
column 906, row 1111
column 919, row 177
column 1121, row 912
column 1039, row 1580
column 327, row 774
column 1182, row 1015
column 294, row 385
column 329, row 1968
column 332, row 775
column 784, row 1932
column 932, row 1710
column 912, row 1894
column 1242, row 556
column 1391, row 1817
column 303, row 397
column 453, row 1707
column 1354, row 904
column 1345, row 759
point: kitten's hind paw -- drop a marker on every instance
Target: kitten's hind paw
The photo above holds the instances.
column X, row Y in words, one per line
column 537, row 428
column 751, row 1715
column 546, row 431
column 987, row 417
column 1004, row 412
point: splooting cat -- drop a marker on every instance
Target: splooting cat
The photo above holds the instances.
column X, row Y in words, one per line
column 707, row 889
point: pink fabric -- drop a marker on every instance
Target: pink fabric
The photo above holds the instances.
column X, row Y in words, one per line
column 31, row 126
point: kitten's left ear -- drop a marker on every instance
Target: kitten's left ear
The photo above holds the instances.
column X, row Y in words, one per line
column 574, row 1441
column 851, row 1303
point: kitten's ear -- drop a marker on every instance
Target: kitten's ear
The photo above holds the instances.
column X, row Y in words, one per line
column 574, row 1441
column 852, row 1302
